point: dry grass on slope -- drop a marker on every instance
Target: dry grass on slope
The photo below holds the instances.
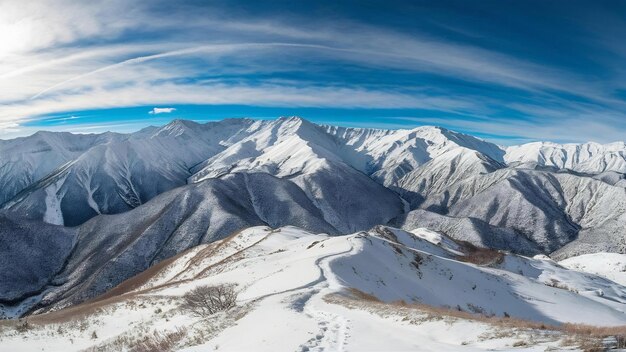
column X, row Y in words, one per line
column 587, row 338
column 480, row 256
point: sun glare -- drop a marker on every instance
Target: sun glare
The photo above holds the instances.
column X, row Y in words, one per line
column 14, row 36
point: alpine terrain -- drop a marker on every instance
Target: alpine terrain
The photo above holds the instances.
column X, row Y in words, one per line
column 317, row 238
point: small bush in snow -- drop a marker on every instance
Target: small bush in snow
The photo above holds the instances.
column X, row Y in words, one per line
column 480, row 256
column 204, row 301
column 160, row 341
column 23, row 327
column 520, row 343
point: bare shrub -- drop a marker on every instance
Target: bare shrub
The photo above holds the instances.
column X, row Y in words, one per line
column 480, row 256
column 159, row 341
column 23, row 326
column 204, row 301
column 520, row 343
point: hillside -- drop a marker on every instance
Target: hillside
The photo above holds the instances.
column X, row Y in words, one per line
column 136, row 200
column 330, row 292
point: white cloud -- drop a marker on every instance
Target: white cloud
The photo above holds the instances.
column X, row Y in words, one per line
column 36, row 24
column 48, row 70
column 155, row 111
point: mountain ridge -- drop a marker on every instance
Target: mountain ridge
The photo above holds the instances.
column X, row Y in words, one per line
column 130, row 201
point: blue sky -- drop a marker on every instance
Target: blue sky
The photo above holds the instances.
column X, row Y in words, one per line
column 508, row 71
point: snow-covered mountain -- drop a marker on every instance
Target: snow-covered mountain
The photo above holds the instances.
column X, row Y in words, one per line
column 328, row 172
column 391, row 154
column 363, row 291
column 546, row 204
column 592, row 158
column 122, row 173
column 327, row 162
column 136, row 200
column 609, row 265
column 67, row 179
column 106, row 250
column 24, row 161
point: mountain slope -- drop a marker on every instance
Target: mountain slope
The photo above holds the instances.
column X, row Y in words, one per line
column 123, row 173
column 390, row 264
column 302, row 152
column 24, row 161
column 31, row 254
column 609, row 265
column 334, row 293
column 391, row 154
column 590, row 157
column 111, row 248
column 440, row 174
column 467, row 229
column 547, row 208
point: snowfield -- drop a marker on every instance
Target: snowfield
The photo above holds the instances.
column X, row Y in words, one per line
column 364, row 291
column 609, row 265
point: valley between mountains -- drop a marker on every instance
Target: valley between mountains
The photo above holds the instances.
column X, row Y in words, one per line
column 333, row 238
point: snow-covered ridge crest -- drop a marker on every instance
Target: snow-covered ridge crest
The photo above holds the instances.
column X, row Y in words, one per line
column 115, row 173
column 420, row 266
column 336, row 293
column 428, row 171
column 588, row 157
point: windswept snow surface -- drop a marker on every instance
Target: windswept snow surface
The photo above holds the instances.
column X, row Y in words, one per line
column 609, row 265
column 421, row 267
column 294, row 282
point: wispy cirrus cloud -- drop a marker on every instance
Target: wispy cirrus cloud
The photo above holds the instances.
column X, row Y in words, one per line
column 73, row 56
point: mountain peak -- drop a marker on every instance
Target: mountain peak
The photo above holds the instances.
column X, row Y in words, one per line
column 183, row 123
column 295, row 121
column 293, row 118
column 177, row 128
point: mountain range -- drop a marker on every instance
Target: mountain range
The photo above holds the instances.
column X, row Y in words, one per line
column 84, row 213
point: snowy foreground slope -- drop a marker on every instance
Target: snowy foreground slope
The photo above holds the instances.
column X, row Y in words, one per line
column 609, row 265
column 299, row 291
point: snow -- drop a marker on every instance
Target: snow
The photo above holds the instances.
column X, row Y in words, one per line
column 323, row 178
column 324, row 326
column 585, row 157
column 293, row 293
column 609, row 265
column 530, row 203
column 327, row 179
